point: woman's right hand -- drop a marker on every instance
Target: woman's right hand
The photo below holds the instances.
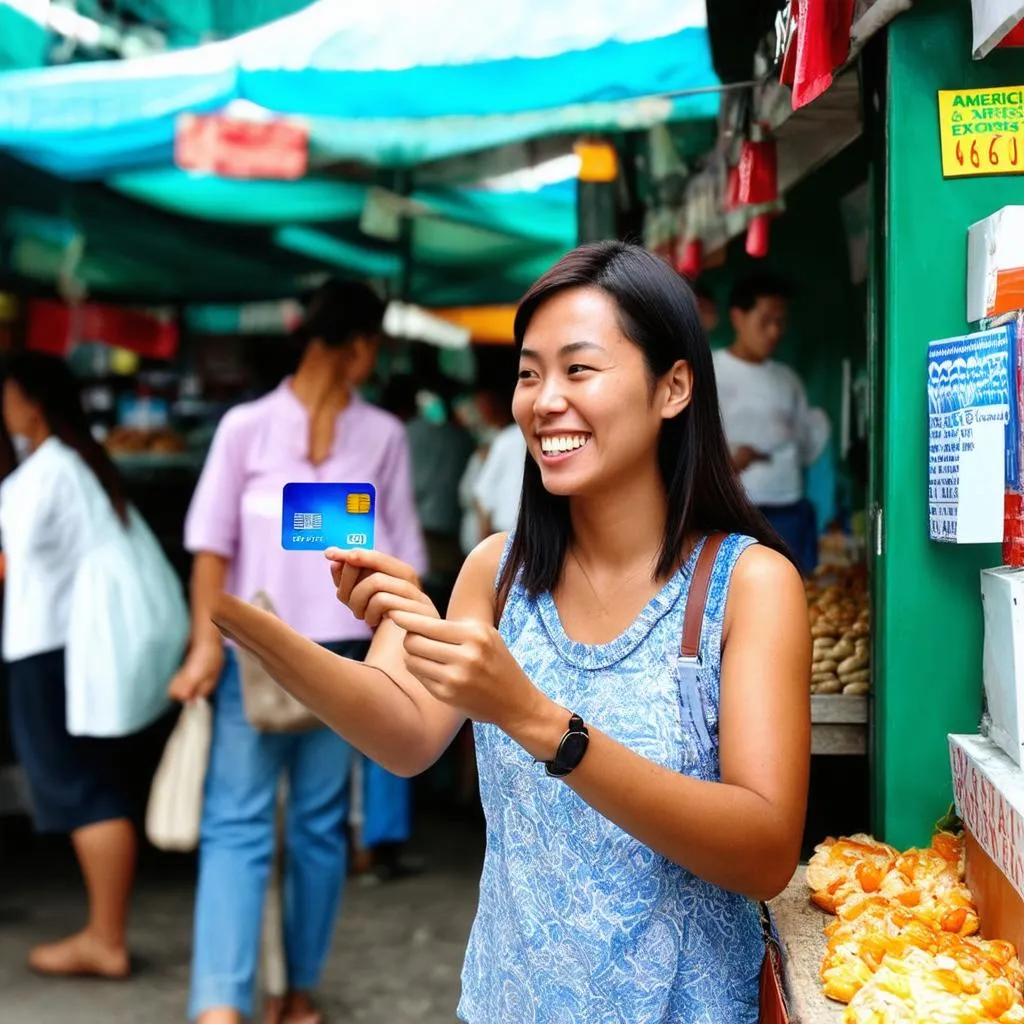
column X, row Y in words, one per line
column 199, row 675
column 372, row 585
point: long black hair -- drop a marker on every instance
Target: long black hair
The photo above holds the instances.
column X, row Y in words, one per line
column 48, row 382
column 658, row 313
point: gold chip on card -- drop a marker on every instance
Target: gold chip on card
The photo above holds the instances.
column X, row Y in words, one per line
column 357, row 504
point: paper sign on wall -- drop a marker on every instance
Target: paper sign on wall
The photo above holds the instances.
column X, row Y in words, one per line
column 982, row 131
column 968, row 417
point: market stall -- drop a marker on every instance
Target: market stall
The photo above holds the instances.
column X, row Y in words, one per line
column 932, row 932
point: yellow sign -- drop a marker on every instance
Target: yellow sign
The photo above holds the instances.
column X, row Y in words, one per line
column 982, row 131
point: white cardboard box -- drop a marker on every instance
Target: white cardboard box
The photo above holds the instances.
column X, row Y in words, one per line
column 1002, row 598
column 995, row 263
column 989, row 792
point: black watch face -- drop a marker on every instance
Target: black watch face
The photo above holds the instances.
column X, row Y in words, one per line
column 574, row 746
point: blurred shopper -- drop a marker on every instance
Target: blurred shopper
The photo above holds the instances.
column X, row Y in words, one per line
column 313, row 427
column 440, row 449
column 485, row 416
column 497, row 488
column 772, row 432
column 706, row 306
column 64, row 493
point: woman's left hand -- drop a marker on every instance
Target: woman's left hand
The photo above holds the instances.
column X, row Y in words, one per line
column 467, row 665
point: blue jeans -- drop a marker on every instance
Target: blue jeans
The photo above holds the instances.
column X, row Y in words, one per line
column 237, row 844
column 387, row 806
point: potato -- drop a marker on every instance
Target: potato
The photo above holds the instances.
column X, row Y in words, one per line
column 830, row 686
column 856, row 689
column 822, row 629
column 854, row 663
column 827, row 665
column 823, row 677
column 860, row 676
column 842, row 650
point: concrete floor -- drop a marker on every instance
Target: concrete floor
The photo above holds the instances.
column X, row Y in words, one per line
column 396, row 958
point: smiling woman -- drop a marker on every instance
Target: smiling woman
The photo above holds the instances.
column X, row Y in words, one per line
column 635, row 658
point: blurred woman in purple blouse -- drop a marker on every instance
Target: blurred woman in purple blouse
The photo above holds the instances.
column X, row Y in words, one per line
column 312, row 428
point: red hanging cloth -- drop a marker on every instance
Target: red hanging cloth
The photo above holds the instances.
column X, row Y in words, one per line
column 758, row 173
column 819, row 43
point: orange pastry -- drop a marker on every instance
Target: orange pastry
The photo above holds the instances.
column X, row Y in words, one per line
column 854, row 862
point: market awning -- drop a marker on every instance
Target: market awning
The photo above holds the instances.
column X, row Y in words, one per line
column 451, row 91
column 391, row 83
column 170, row 236
column 23, row 34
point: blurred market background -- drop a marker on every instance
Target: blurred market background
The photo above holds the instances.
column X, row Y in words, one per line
column 177, row 176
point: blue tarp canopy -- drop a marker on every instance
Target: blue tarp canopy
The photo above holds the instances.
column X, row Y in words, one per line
column 388, row 86
column 392, row 82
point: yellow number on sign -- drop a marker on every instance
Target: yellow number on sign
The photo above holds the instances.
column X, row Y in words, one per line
column 357, row 504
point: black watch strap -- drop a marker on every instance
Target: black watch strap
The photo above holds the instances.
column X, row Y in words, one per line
column 571, row 749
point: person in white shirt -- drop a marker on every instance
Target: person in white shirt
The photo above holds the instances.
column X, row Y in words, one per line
column 484, row 415
column 64, row 491
column 498, row 487
column 772, row 432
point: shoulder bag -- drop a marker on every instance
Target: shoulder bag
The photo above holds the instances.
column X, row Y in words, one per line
column 772, row 995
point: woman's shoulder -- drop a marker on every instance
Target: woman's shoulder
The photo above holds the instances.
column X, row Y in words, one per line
column 245, row 415
column 484, row 561
column 379, row 420
column 54, row 476
column 52, row 461
column 763, row 577
column 474, row 595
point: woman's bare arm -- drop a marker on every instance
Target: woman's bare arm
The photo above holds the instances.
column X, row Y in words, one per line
column 375, row 705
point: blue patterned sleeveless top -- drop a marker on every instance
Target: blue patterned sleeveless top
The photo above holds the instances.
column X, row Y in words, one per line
column 578, row 922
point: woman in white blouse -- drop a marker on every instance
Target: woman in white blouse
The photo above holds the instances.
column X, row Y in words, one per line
column 64, row 483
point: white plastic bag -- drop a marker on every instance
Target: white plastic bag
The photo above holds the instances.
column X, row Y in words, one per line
column 175, row 807
column 126, row 635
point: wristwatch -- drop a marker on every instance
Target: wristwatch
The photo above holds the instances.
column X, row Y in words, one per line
column 571, row 749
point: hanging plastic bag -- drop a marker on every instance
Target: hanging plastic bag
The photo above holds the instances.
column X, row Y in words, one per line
column 175, row 807
column 126, row 634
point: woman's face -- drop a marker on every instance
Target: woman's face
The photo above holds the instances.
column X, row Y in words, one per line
column 584, row 400
column 21, row 416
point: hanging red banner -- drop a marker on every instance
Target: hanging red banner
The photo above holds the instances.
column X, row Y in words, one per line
column 819, row 44
column 56, row 327
column 758, row 173
column 216, row 144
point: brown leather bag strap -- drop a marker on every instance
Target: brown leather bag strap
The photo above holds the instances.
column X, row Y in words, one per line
column 697, row 599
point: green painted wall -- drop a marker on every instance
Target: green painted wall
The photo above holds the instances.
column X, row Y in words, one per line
column 928, row 658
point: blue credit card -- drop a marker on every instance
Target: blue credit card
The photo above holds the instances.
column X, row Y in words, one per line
column 320, row 516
